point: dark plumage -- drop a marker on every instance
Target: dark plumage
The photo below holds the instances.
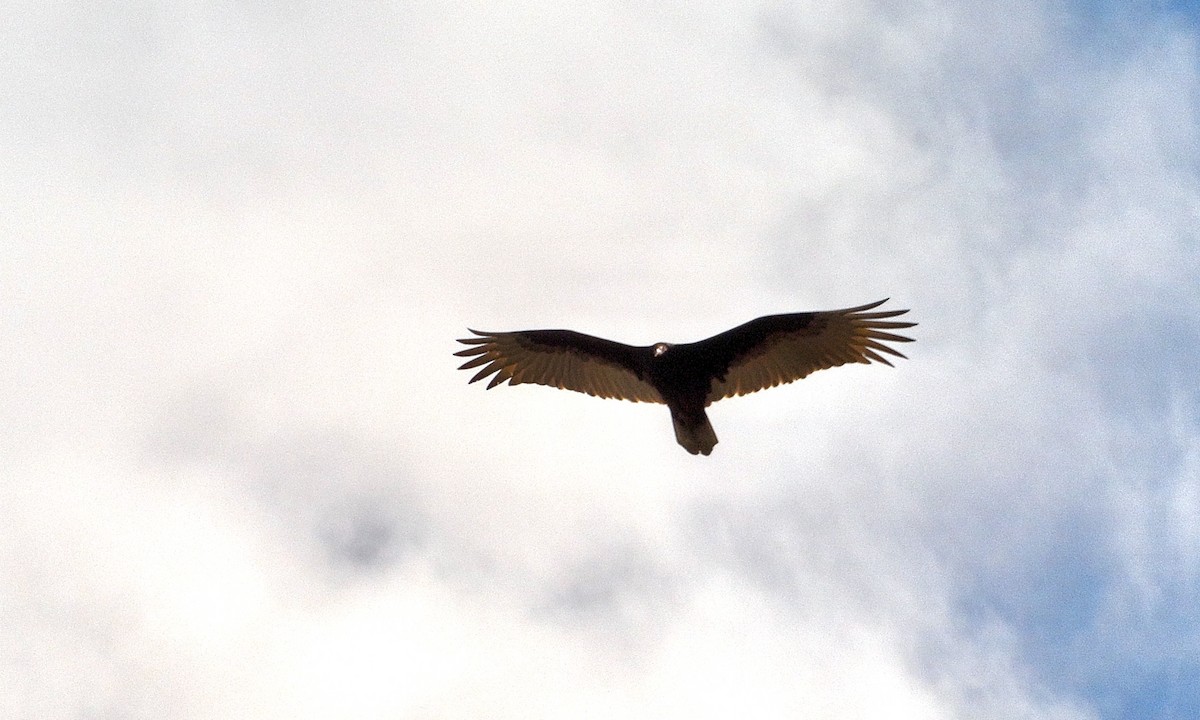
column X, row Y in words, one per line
column 688, row 377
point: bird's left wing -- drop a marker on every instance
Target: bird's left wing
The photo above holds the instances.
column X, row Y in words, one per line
column 781, row 349
column 560, row 358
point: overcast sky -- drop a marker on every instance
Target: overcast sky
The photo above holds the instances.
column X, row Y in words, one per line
column 240, row 475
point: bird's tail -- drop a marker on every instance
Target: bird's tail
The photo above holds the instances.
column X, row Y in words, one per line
column 693, row 431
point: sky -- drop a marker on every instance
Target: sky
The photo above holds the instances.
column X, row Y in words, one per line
column 240, row 475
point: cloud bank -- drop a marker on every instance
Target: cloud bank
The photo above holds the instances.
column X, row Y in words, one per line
column 242, row 477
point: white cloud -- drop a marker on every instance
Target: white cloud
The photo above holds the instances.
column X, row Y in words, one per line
column 242, row 477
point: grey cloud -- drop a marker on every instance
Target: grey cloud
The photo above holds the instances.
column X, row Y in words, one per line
column 248, row 235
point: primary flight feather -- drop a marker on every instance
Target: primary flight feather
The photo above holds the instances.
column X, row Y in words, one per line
column 688, row 377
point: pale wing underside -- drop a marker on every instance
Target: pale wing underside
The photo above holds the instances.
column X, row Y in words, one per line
column 558, row 358
column 780, row 354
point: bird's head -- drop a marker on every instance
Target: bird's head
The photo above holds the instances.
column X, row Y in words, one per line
column 661, row 349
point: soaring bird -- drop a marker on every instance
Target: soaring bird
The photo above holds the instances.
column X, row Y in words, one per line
column 688, row 377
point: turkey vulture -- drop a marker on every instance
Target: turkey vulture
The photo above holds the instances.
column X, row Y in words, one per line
column 688, row 377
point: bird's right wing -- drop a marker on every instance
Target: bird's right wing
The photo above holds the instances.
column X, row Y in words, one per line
column 562, row 359
column 781, row 349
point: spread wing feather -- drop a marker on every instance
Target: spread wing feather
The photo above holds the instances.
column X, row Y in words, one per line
column 779, row 349
column 560, row 358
